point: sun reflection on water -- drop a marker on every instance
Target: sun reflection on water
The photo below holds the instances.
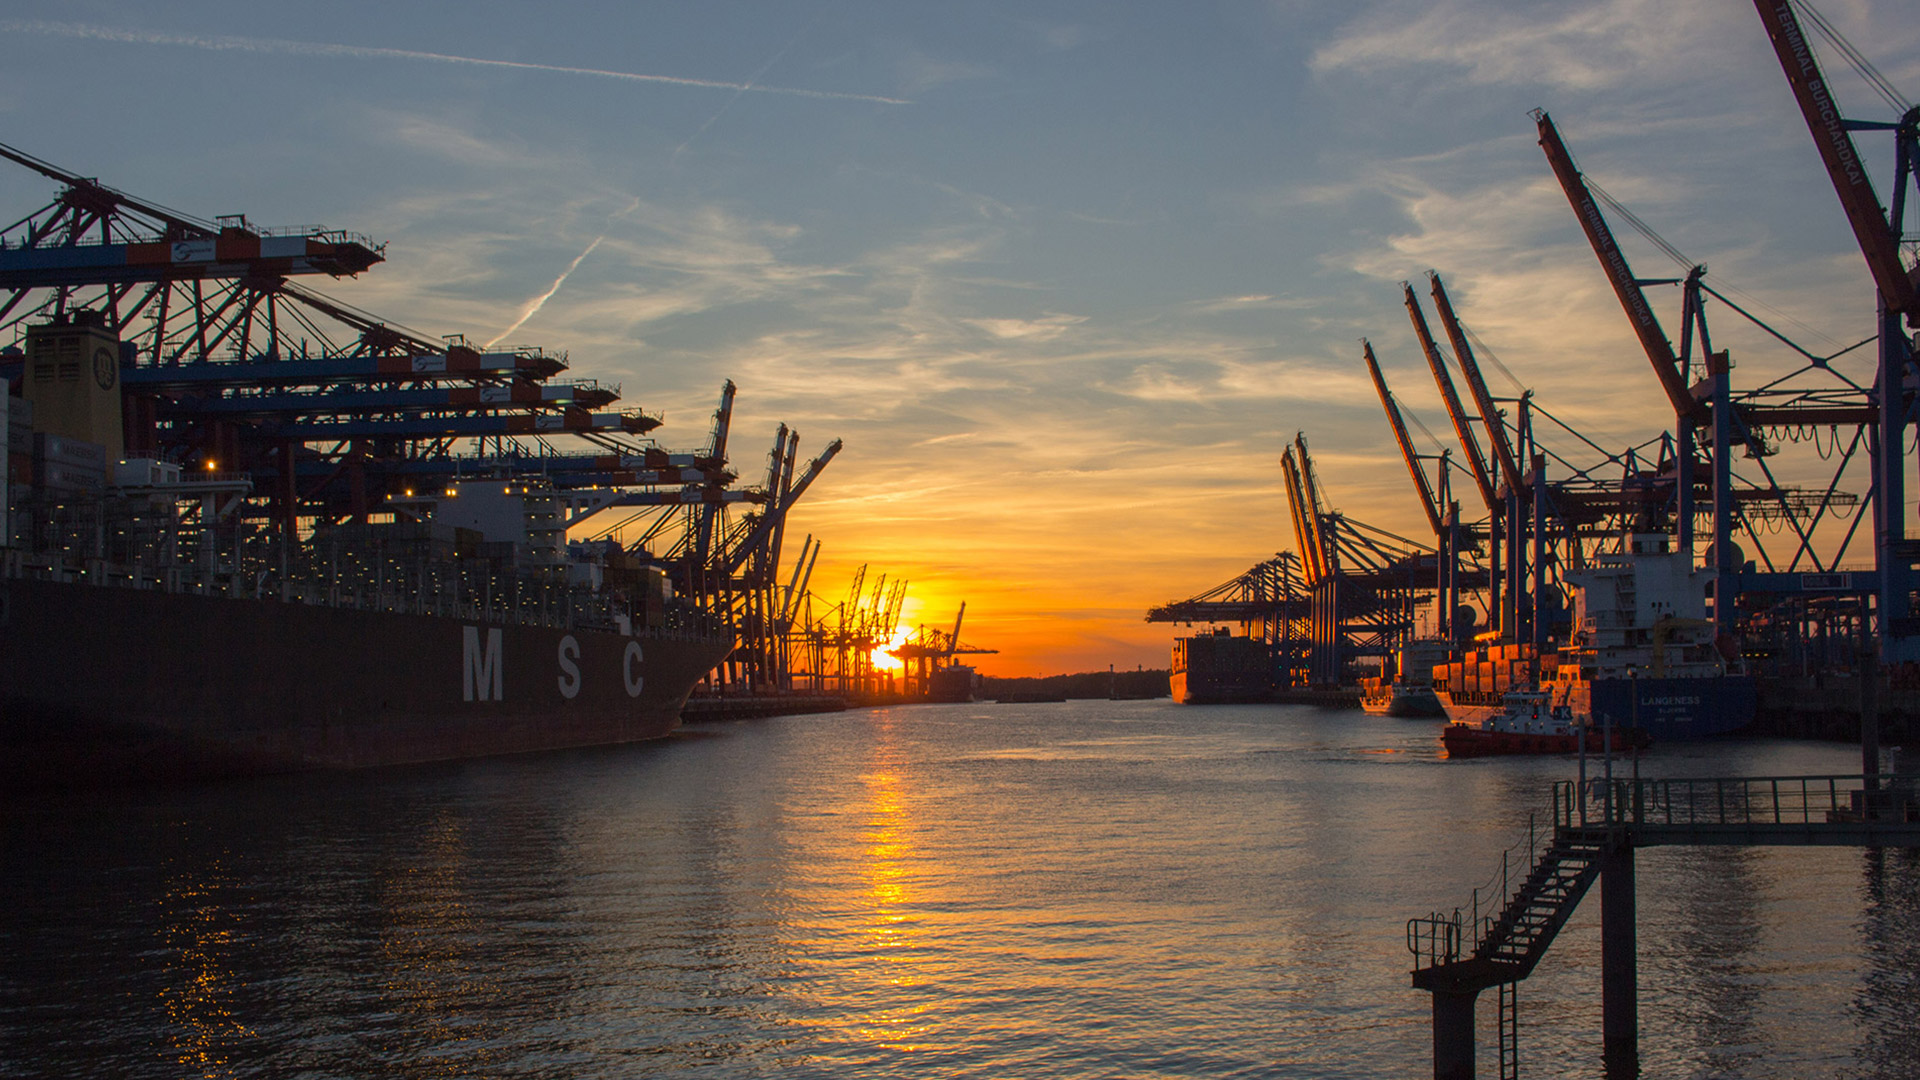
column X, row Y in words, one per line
column 879, row 999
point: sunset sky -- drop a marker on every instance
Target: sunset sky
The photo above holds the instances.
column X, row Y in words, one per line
column 1065, row 277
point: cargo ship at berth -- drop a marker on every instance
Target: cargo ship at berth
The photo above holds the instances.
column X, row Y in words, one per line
column 1219, row 668
column 1641, row 653
column 150, row 626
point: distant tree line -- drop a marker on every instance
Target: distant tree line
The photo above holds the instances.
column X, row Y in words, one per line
column 1151, row 683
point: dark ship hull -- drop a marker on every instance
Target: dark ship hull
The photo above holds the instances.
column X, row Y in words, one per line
column 952, row 684
column 1683, row 708
column 1204, row 685
column 1463, row 741
column 100, row 681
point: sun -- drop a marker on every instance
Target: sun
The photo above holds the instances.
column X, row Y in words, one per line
column 882, row 661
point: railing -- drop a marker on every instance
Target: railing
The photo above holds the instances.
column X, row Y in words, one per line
column 1722, row 801
column 1437, row 939
column 1434, row 940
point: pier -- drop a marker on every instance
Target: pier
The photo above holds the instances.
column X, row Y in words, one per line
column 1596, row 828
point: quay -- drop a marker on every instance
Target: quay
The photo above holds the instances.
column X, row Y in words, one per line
column 755, row 707
column 1597, row 827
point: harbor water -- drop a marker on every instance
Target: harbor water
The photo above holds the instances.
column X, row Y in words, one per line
column 1087, row 889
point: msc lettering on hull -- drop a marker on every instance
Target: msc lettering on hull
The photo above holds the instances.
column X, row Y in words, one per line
column 483, row 672
column 483, row 666
column 569, row 667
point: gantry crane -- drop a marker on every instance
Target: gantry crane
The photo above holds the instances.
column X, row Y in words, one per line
column 1452, row 541
column 927, row 660
column 337, row 416
column 1878, row 231
column 1714, row 421
column 1364, row 583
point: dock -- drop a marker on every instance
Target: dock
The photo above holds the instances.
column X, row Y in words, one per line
column 1596, row 828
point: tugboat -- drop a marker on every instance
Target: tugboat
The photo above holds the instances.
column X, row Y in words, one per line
column 1529, row 722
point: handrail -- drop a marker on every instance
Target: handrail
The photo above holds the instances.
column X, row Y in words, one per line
column 1489, row 899
column 1435, row 939
column 1721, row 801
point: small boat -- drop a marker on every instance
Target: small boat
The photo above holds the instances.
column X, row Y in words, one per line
column 1405, row 684
column 1529, row 722
column 1381, row 697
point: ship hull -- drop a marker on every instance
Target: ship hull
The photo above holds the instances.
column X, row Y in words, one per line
column 1404, row 701
column 1668, row 709
column 1213, row 688
column 104, row 681
column 1462, row 741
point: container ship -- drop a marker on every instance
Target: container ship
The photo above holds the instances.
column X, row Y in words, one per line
column 1641, row 653
column 150, row 626
column 1220, row 669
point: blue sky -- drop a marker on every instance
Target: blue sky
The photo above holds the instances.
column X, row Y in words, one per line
column 1065, row 277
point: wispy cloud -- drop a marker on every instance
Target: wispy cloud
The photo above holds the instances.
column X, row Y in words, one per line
column 1578, row 46
column 281, row 46
column 1253, row 302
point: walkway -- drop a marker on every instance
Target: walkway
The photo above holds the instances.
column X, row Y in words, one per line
column 1596, row 829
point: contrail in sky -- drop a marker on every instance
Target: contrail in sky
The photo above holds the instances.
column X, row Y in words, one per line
column 541, row 301
column 744, row 87
column 367, row 52
column 534, row 308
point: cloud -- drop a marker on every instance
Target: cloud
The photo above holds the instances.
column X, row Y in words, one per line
column 1046, row 328
column 920, row 72
column 1253, row 302
column 432, row 135
column 1585, row 46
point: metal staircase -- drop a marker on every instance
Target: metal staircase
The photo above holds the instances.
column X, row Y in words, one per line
column 1597, row 826
column 1511, row 943
column 1522, row 932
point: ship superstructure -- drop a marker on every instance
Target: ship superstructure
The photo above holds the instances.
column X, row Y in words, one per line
column 1407, row 688
column 1642, row 651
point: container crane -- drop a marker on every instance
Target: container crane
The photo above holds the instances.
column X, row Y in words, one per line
column 1447, row 534
column 929, row 653
column 1477, row 469
column 1490, row 419
column 1449, row 397
column 1306, row 523
column 1363, row 581
column 1716, row 421
column 1646, row 325
column 1428, row 504
column 1878, row 231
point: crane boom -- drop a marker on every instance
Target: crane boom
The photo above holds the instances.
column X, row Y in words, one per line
column 1316, row 518
column 1476, row 462
column 717, row 451
column 775, row 516
column 1871, row 228
column 1625, row 286
column 1477, row 385
column 1406, row 444
column 954, row 641
column 1296, row 504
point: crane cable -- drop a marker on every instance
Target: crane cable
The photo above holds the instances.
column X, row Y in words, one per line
column 1680, row 258
column 1855, row 58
